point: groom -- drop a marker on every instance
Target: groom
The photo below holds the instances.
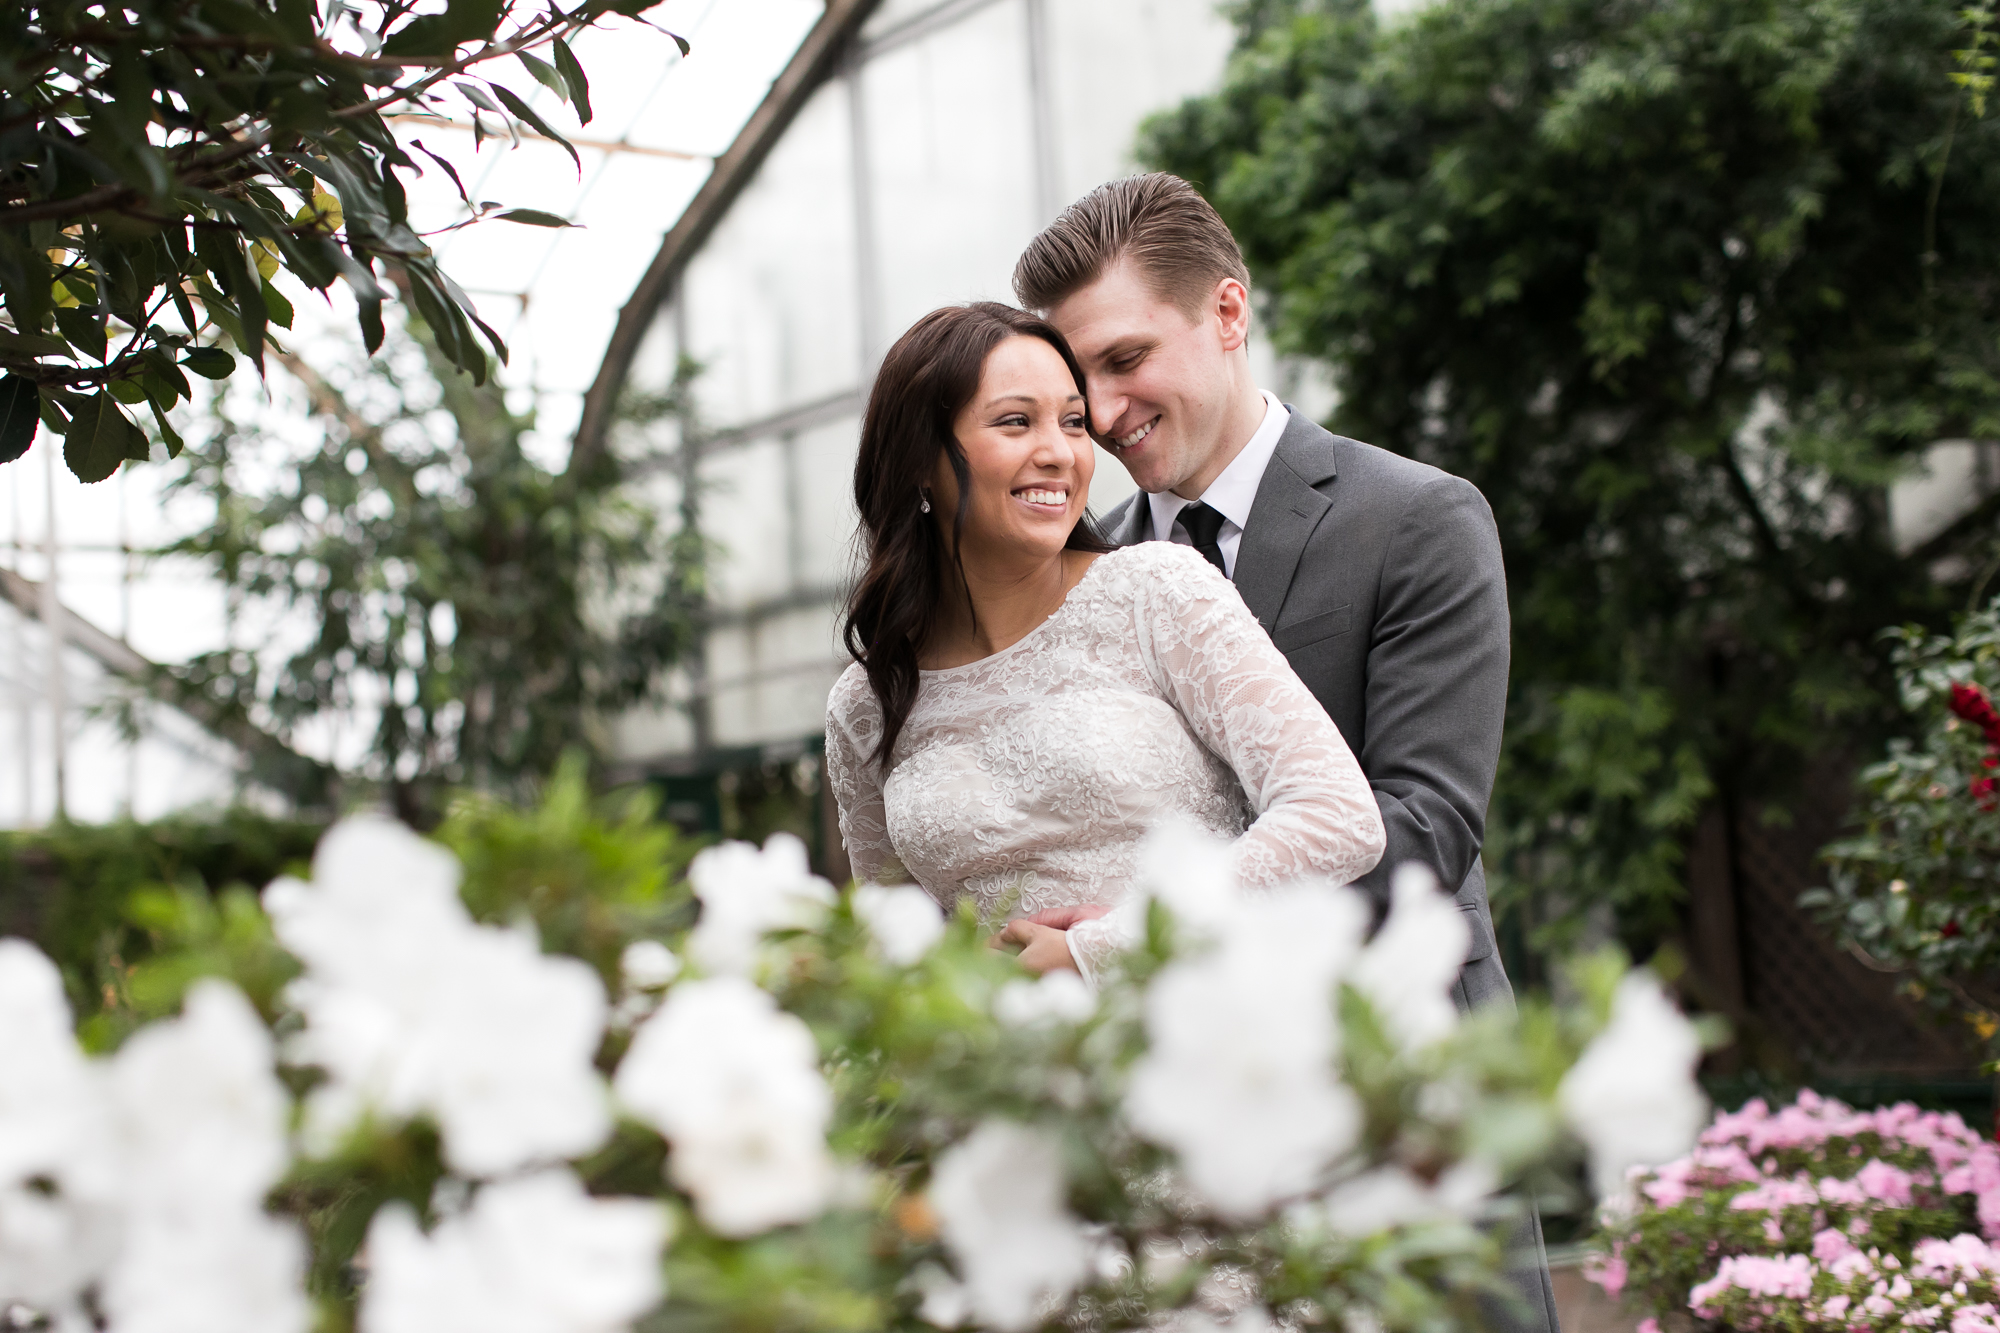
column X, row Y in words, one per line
column 1378, row 577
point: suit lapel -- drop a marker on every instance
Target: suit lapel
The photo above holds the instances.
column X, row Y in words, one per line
column 1287, row 509
column 1136, row 524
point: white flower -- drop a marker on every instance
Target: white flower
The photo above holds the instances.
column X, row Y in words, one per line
column 53, row 1132
column 1409, row 968
column 531, row 1255
column 1239, row 1076
column 998, row 1197
column 237, row 1271
column 413, row 1009
column 735, row 1086
column 1390, row 1196
column 200, row 1121
column 904, row 920
column 1054, row 997
column 745, row 894
column 647, row 965
column 201, row 1117
column 1632, row 1097
column 1190, row 871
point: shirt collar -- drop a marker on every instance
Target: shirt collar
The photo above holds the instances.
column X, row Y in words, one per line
column 1234, row 491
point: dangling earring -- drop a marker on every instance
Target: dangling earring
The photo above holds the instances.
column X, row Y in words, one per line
column 924, row 503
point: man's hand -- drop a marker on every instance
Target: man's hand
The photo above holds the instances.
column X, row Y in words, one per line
column 1043, row 948
column 1062, row 918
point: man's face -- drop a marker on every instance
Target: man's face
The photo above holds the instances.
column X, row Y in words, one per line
column 1159, row 382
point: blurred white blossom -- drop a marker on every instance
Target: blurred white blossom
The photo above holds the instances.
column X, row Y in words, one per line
column 58, row 1224
column 745, row 894
column 734, row 1084
column 1632, row 1097
column 236, row 1271
column 412, row 1008
column 647, row 965
column 200, row 1123
column 1190, row 871
column 1054, row 997
column 1409, row 968
column 531, row 1255
column 903, row 920
column 1392, row 1196
column 998, row 1197
column 1239, row 1077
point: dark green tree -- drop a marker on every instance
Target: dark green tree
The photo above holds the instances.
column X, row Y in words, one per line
column 484, row 610
column 162, row 160
column 1682, row 286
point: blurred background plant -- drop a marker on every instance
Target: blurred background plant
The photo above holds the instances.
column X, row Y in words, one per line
column 1683, row 289
column 1914, row 892
column 487, row 611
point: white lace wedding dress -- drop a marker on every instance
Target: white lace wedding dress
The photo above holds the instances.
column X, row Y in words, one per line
column 1026, row 780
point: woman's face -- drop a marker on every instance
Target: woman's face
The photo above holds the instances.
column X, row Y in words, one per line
column 1028, row 456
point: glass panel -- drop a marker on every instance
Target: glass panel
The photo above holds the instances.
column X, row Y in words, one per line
column 770, row 679
column 1115, row 62
column 950, row 151
column 743, row 511
column 824, row 458
column 771, row 299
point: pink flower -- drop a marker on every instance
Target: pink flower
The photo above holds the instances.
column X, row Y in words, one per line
column 1847, row 1192
column 1653, row 1326
column 1830, row 1245
column 1608, row 1272
column 1888, row 1184
column 1836, row 1307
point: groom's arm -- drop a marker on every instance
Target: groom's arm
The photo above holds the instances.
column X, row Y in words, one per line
column 1437, row 684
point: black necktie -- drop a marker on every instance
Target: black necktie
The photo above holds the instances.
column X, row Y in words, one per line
column 1203, row 525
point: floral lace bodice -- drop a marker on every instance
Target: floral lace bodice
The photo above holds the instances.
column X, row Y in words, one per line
column 1027, row 779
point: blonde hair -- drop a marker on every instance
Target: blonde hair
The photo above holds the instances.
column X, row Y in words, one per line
column 1172, row 235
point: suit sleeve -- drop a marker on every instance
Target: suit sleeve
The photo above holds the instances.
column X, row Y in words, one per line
column 1437, row 684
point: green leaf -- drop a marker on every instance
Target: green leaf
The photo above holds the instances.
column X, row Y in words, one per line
column 277, row 307
column 129, row 392
column 20, row 406
column 31, row 344
column 100, row 438
column 477, row 96
column 211, row 363
column 524, row 112
column 545, row 73
column 579, row 86
column 172, row 437
column 371, row 323
column 84, row 330
column 440, row 34
column 533, row 217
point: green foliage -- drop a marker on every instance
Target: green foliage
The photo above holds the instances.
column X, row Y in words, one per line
column 591, row 874
column 176, row 155
column 1682, row 287
column 1917, row 889
column 126, row 910
column 487, row 607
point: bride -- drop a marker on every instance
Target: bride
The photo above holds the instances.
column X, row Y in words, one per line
column 1025, row 702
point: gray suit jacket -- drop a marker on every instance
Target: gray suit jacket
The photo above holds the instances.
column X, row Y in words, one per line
column 1380, row 580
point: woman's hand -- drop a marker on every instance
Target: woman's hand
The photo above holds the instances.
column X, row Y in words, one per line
column 1062, row 918
column 1042, row 948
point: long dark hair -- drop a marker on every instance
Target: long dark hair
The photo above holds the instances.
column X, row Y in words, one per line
column 927, row 377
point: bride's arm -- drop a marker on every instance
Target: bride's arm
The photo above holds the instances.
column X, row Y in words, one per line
column 1316, row 814
column 853, row 723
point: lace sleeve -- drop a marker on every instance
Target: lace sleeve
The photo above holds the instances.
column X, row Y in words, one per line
column 1316, row 814
column 853, row 723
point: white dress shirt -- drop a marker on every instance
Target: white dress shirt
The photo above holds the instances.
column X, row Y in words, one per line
column 1231, row 494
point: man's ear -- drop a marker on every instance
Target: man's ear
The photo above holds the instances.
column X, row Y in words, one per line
column 1230, row 305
